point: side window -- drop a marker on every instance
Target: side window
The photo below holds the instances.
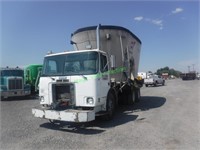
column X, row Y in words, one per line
column 104, row 64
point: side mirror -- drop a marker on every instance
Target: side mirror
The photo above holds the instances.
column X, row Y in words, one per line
column 112, row 61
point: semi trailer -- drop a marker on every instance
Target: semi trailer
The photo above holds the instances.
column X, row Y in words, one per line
column 100, row 73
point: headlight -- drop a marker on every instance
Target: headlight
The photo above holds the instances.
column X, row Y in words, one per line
column 90, row 100
column 3, row 88
column 41, row 98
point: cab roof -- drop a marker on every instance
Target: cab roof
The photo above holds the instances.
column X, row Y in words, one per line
column 12, row 68
column 74, row 51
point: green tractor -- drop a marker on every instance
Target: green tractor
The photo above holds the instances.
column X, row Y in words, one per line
column 32, row 76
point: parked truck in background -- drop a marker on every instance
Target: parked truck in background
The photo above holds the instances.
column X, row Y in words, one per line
column 188, row 76
column 198, row 76
column 93, row 79
column 32, row 74
column 144, row 75
column 154, row 80
column 12, row 83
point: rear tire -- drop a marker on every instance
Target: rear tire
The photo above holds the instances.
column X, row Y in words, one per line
column 137, row 96
column 131, row 97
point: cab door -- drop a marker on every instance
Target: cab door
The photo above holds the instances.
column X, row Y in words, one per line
column 103, row 78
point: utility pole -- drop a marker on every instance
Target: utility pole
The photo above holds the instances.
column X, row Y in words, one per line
column 188, row 69
column 193, row 66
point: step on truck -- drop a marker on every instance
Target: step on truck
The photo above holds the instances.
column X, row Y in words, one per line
column 12, row 83
column 100, row 73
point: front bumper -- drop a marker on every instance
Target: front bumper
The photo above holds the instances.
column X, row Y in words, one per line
column 70, row 115
column 6, row 94
column 149, row 83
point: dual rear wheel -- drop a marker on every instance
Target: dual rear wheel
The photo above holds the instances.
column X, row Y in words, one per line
column 129, row 98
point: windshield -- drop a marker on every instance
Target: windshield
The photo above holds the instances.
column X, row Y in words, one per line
column 12, row 73
column 71, row 64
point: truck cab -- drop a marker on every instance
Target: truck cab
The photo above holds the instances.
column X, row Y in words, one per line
column 74, row 71
column 75, row 80
column 12, row 83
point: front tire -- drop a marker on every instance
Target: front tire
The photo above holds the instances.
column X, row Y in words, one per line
column 54, row 122
column 110, row 107
column 163, row 82
column 2, row 98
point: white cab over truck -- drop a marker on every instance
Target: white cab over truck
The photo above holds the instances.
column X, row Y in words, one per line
column 154, row 80
column 93, row 79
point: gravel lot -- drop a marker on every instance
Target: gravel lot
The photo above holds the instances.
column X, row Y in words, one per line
column 167, row 117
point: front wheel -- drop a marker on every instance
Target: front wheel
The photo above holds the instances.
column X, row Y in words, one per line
column 54, row 122
column 155, row 84
column 163, row 82
column 2, row 98
column 110, row 107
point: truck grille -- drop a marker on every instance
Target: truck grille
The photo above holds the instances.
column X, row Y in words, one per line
column 15, row 83
column 63, row 94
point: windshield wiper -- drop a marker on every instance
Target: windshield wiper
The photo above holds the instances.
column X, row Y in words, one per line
column 84, row 76
column 52, row 78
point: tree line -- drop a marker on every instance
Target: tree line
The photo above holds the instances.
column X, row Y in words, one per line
column 168, row 70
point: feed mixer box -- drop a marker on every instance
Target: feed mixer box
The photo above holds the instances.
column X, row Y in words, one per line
column 114, row 40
